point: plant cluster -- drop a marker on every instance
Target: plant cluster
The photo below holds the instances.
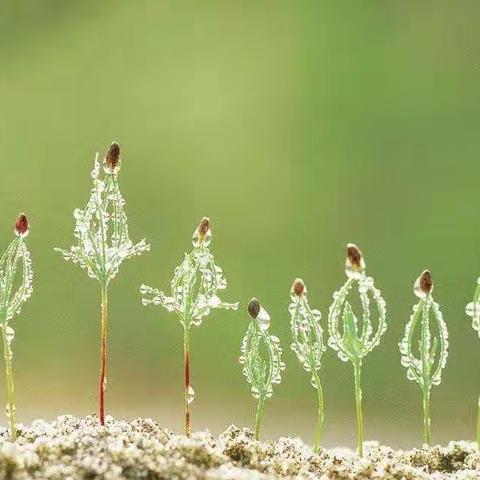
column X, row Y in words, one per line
column 357, row 318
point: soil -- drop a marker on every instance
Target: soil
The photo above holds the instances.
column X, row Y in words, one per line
column 73, row 448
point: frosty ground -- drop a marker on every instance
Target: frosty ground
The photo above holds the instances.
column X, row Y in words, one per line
column 73, row 448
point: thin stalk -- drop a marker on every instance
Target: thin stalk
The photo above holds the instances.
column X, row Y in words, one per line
column 103, row 355
column 259, row 416
column 427, row 435
column 10, row 386
column 357, row 370
column 321, row 416
column 478, row 423
column 186, row 376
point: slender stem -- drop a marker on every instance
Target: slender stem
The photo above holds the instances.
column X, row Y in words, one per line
column 259, row 416
column 186, row 376
column 103, row 355
column 321, row 415
column 478, row 423
column 427, row 435
column 10, row 386
column 357, row 370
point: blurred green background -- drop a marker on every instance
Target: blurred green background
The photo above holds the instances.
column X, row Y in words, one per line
column 297, row 126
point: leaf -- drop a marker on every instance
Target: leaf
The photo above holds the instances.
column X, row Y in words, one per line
column 350, row 332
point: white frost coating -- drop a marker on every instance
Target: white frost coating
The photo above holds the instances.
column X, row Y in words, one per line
column 356, row 338
column 101, row 230
column 261, row 357
column 194, row 287
column 307, row 334
column 425, row 365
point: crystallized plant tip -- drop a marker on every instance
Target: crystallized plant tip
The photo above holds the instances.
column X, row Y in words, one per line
column 427, row 331
column 195, row 289
column 352, row 337
column 308, row 344
column 16, row 285
column 261, row 358
column 103, row 242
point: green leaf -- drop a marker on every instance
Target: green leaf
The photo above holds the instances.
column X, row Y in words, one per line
column 350, row 333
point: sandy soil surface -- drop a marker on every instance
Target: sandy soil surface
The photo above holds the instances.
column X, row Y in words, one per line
column 73, row 448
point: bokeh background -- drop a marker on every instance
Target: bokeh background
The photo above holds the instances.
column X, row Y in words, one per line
column 297, row 126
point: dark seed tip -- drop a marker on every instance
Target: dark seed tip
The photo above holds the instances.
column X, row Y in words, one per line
column 354, row 255
column 21, row 225
column 298, row 287
column 203, row 227
column 426, row 282
column 112, row 158
column 253, row 308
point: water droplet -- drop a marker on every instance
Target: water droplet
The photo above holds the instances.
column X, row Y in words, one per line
column 264, row 319
column 473, row 309
column 190, row 394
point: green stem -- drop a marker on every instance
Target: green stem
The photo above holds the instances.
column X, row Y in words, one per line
column 186, row 375
column 103, row 355
column 259, row 416
column 478, row 423
column 10, row 385
column 427, row 435
column 321, row 416
column 357, row 370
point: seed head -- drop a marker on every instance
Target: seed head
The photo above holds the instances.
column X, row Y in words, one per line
column 253, row 308
column 424, row 284
column 112, row 158
column 22, row 227
column 354, row 264
column 298, row 287
column 203, row 228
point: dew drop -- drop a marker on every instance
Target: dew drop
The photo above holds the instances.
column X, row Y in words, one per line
column 190, row 394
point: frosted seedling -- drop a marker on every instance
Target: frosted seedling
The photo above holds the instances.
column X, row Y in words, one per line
column 356, row 337
column 308, row 345
column 16, row 277
column 261, row 356
column 473, row 310
column 428, row 331
column 103, row 243
column 194, row 293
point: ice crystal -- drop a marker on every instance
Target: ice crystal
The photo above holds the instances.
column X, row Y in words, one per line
column 357, row 337
column 306, row 330
column 101, row 228
column 16, row 285
column 308, row 343
column 473, row 309
column 261, row 354
column 196, row 283
column 428, row 329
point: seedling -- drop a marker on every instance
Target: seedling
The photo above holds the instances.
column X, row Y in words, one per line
column 195, row 286
column 473, row 310
column 426, row 369
column 356, row 338
column 308, row 345
column 261, row 357
column 16, row 285
column 103, row 243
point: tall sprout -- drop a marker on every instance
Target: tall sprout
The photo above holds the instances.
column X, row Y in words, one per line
column 426, row 331
column 261, row 357
column 352, row 337
column 308, row 345
column 194, row 294
column 16, row 285
column 473, row 310
column 103, row 243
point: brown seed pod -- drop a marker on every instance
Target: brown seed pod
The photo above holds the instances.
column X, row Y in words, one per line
column 253, row 308
column 22, row 226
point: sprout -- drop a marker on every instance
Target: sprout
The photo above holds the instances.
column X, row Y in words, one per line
column 103, row 243
column 195, row 286
column 356, row 337
column 308, row 344
column 426, row 369
column 261, row 358
column 16, row 285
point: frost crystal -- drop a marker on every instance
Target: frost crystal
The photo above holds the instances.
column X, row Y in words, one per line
column 195, row 285
column 306, row 331
column 101, row 228
column 261, row 354
column 425, row 368
column 16, row 286
column 356, row 337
